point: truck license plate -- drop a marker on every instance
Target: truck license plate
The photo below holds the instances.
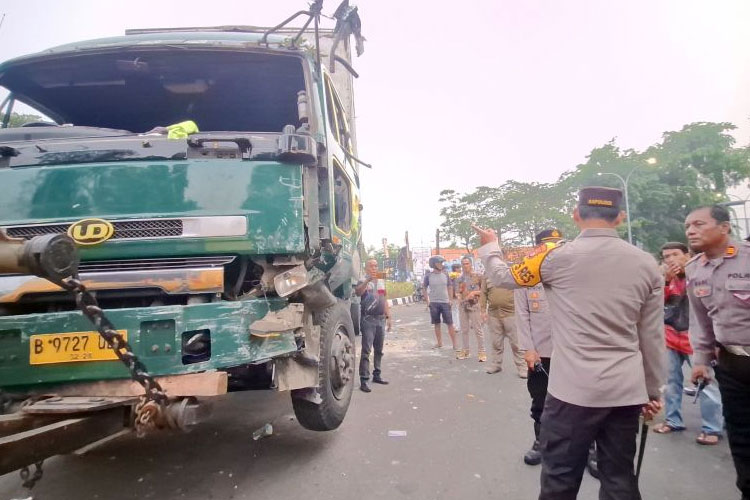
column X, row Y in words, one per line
column 73, row 347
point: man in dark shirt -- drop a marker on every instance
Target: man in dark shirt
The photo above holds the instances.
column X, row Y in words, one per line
column 675, row 255
column 376, row 314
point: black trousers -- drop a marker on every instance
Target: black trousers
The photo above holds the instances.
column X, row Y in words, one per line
column 568, row 431
column 536, row 383
column 373, row 338
column 733, row 375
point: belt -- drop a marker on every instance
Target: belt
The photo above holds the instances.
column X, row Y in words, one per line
column 738, row 350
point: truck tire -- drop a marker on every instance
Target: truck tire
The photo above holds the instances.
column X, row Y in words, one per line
column 335, row 371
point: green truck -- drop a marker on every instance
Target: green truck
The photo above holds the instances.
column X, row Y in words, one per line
column 210, row 179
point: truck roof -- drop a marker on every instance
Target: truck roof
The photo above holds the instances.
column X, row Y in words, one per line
column 216, row 37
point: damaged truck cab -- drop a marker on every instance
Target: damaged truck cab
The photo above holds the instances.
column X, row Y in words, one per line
column 223, row 248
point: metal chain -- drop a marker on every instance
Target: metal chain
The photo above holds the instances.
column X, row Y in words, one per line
column 30, row 480
column 148, row 411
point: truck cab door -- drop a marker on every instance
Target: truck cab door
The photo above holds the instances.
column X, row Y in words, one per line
column 344, row 185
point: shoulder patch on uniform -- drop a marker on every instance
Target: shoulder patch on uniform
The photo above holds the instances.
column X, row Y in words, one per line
column 528, row 273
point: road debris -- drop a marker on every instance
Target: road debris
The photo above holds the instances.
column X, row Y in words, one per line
column 265, row 431
column 396, row 434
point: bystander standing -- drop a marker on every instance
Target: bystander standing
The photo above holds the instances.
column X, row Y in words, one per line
column 676, row 313
column 469, row 288
column 375, row 315
column 439, row 294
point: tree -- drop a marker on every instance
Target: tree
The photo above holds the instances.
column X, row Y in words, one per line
column 516, row 210
column 709, row 149
column 458, row 214
column 18, row 119
column 379, row 255
column 530, row 207
column 694, row 166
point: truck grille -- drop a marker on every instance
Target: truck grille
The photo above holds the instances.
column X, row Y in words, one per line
column 124, row 229
column 102, row 266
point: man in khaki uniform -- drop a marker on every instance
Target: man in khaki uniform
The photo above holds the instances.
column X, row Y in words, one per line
column 606, row 299
column 719, row 292
column 498, row 312
column 469, row 284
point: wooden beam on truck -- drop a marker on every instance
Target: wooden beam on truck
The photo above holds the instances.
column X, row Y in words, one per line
column 19, row 422
column 191, row 384
column 28, row 447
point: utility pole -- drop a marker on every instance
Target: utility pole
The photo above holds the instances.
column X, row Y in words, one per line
column 437, row 241
column 409, row 263
column 386, row 257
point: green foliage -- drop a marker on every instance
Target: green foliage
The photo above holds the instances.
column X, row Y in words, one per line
column 516, row 210
column 18, row 119
column 396, row 289
column 379, row 255
column 694, row 166
column 458, row 214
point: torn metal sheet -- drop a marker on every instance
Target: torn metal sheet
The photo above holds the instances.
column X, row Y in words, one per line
column 300, row 371
column 289, row 318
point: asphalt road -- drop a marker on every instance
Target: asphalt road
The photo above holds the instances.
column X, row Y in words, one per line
column 466, row 432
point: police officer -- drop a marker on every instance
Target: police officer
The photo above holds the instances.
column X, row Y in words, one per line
column 719, row 294
column 535, row 333
column 606, row 298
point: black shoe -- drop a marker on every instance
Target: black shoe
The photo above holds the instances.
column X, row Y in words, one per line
column 533, row 456
column 379, row 380
column 593, row 466
column 364, row 387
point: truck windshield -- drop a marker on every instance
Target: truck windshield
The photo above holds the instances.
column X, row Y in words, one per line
column 137, row 90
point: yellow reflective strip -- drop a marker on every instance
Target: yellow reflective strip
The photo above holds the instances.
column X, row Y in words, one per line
column 528, row 272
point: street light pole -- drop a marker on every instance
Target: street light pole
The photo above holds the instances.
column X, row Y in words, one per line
column 731, row 204
column 627, row 201
column 650, row 161
column 744, row 210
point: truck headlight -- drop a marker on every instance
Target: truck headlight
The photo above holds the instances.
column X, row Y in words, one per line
column 290, row 281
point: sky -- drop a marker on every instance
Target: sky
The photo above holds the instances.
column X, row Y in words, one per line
column 460, row 94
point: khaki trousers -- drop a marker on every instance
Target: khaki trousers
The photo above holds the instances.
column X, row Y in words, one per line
column 471, row 320
column 500, row 329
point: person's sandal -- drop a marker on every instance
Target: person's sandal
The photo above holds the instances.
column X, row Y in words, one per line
column 482, row 356
column 665, row 428
column 707, row 439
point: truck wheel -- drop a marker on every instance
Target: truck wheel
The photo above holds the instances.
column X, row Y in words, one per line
column 335, row 371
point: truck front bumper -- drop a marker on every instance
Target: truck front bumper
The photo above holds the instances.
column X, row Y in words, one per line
column 158, row 336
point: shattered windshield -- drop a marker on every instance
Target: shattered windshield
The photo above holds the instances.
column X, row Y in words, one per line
column 138, row 90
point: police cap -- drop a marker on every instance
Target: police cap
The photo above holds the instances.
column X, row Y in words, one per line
column 548, row 235
column 597, row 196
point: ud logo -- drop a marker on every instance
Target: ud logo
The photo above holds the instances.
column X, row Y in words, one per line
column 91, row 231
